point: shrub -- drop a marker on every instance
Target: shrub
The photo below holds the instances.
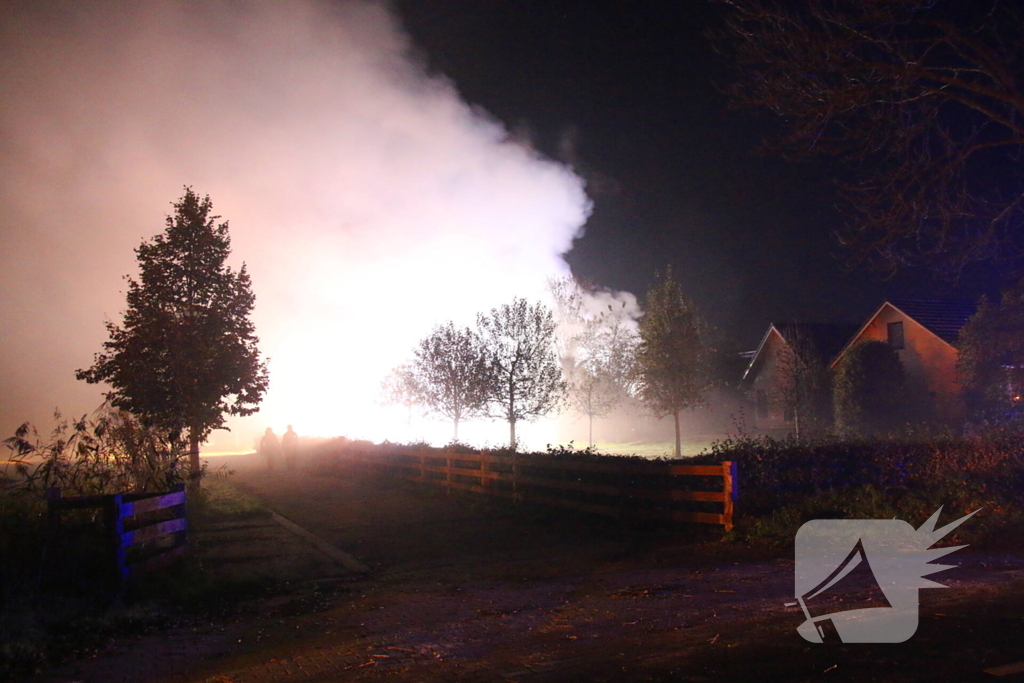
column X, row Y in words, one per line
column 110, row 452
column 868, row 389
column 784, row 482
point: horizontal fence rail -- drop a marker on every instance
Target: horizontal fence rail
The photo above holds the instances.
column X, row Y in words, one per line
column 702, row 494
column 146, row 531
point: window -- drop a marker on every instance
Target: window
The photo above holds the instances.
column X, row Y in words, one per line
column 896, row 335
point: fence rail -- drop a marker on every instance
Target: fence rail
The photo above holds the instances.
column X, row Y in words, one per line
column 152, row 543
column 618, row 489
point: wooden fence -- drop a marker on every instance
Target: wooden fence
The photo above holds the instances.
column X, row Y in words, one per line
column 623, row 488
column 145, row 531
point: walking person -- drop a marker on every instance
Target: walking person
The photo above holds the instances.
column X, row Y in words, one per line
column 270, row 448
column 290, row 444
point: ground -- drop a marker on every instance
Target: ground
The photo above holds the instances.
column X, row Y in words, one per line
column 464, row 590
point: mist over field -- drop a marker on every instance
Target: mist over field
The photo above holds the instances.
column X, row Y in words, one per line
column 367, row 198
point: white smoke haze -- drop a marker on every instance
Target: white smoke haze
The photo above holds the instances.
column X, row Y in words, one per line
column 368, row 200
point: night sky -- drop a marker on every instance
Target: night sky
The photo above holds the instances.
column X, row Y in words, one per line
column 629, row 93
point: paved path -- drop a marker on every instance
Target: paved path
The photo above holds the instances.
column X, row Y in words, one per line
column 463, row 591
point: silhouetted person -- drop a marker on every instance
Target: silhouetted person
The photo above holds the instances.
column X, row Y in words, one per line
column 290, row 445
column 270, row 447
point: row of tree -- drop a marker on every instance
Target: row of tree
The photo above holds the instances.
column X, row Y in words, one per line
column 505, row 368
column 524, row 360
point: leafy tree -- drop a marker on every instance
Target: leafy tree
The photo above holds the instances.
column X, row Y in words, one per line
column 803, row 378
column 923, row 100
column 599, row 376
column 186, row 353
column 526, row 380
column 673, row 361
column 452, row 373
column 596, row 351
column 569, row 296
column 991, row 360
column 402, row 388
column 869, row 389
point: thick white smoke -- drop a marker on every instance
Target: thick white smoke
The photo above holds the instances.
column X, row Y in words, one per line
column 367, row 198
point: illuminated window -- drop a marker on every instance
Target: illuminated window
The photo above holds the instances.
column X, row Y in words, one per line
column 896, row 335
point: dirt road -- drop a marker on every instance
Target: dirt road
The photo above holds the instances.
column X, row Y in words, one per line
column 460, row 590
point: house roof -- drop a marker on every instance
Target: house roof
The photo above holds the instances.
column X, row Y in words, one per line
column 827, row 339
column 943, row 318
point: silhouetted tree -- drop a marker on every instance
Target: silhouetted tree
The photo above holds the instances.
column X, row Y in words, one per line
column 803, row 378
column 673, row 361
column 569, row 297
column 600, row 375
column 452, row 373
column 596, row 351
column 869, row 389
column 526, row 380
column 923, row 99
column 186, row 352
column 402, row 388
column 991, row 359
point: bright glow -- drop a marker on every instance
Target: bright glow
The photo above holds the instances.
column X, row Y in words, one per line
column 369, row 201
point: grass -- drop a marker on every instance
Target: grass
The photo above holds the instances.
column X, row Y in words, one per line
column 220, row 500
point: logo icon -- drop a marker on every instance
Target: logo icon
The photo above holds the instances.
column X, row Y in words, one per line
column 857, row 580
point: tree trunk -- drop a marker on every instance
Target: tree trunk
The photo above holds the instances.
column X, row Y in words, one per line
column 456, row 437
column 590, row 431
column 512, row 414
column 675, row 417
column 193, row 457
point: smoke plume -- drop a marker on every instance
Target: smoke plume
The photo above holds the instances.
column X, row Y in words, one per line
column 367, row 198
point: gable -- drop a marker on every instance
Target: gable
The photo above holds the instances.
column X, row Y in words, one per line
column 770, row 339
column 947, row 319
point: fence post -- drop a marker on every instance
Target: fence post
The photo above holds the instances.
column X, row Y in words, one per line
column 52, row 509
column 116, row 526
column 622, row 477
column 181, row 537
column 515, row 478
column 447, row 476
column 729, row 489
column 423, row 464
column 563, row 490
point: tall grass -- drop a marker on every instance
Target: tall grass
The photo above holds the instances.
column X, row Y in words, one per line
column 110, row 451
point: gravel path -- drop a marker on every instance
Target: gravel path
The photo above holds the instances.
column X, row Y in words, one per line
column 460, row 590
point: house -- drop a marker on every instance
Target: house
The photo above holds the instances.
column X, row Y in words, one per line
column 923, row 332
column 785, row 380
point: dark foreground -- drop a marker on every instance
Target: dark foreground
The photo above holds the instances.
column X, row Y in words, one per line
column 460, row 590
